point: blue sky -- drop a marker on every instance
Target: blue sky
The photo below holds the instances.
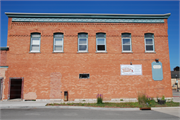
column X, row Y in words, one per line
column 115, row 7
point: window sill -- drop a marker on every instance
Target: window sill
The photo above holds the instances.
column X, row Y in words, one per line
column 101, row 51
column 57, row 52
column 151, row 52
column 82, row 52
column 130, row 52
column 34, row 52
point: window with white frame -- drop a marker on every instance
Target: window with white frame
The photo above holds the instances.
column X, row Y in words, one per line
column 149, row 42
column 58, row 42
column 35, row 42
column 101, row 42
column 126, row 42
column 82, row 42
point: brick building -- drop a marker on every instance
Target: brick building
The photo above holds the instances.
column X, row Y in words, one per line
column 80, row 55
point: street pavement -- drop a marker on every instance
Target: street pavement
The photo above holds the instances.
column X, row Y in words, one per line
column 79, row 114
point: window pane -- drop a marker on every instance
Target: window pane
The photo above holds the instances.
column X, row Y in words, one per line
column 82, row 35
column 35, row 41
column 35, row 47
column 58, row 35
column 82, row 41
column 126, row 41
column 100, row 35
column 101, row 47
column 58, row 48
column 148, row 35
column 83, row 47
column 126, row 47
column 36, row 35
column 149, row 41
column 149, row 47
column 100, row 41
column 58, row 41
column 126, row 35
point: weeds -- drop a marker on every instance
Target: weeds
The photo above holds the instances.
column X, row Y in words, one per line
column 99, row 99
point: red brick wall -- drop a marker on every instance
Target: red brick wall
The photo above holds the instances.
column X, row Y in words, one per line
column 3, row 57
column 40, row 70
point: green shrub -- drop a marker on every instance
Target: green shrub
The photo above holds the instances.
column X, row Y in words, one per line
column 121, row 99
column 163, row 98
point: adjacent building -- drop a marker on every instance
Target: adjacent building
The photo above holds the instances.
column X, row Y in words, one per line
column 3, row 67
column 76, row 56
column 175, row 79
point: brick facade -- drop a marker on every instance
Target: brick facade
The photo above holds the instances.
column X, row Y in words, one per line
column 3, row 57
column 47, row 75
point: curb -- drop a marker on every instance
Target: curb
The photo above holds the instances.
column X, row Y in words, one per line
column 155, row 108
column 67, row 107
column 81, row 107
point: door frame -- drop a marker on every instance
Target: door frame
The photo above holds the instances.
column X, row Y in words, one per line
column 22, row 86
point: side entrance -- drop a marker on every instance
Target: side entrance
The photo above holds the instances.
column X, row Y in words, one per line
column 1, row 88
column 15, row 88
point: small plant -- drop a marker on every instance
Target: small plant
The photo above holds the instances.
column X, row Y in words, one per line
column 163, row 98
column 84, row 100
column 99, row 98
column 121, row 99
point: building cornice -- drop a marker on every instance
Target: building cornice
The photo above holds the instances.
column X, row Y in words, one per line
column 87, row 15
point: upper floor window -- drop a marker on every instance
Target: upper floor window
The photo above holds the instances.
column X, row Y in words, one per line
column 149, row 42
column 58, row 42
column 82, row 42
column 126, row 42
column 35, row 42
column 101, row 42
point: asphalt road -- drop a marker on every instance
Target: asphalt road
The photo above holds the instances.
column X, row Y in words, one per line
column 79, row 114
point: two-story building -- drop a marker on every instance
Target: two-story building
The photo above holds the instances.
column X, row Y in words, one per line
column 76, row 56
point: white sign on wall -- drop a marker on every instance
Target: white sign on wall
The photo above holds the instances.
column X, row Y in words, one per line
column 131, row 69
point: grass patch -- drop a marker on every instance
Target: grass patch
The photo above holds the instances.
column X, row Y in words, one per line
column 116, row 105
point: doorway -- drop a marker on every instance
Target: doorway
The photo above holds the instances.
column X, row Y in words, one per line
column 1, row 88
column 15, row 88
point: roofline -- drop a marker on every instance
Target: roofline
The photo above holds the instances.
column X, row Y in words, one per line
column 84, row 15
column 4, row 48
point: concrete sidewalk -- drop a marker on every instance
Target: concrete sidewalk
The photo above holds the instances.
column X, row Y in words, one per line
column 21, row 104
column 41, row 105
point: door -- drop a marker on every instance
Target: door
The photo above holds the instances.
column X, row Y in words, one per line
column 1, row 88
column 15, row 88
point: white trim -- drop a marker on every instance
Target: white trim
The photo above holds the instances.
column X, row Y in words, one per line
column 130, row 44
column 149, row 44
column 100, row 44
column 83, row 44
column 54, row 44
